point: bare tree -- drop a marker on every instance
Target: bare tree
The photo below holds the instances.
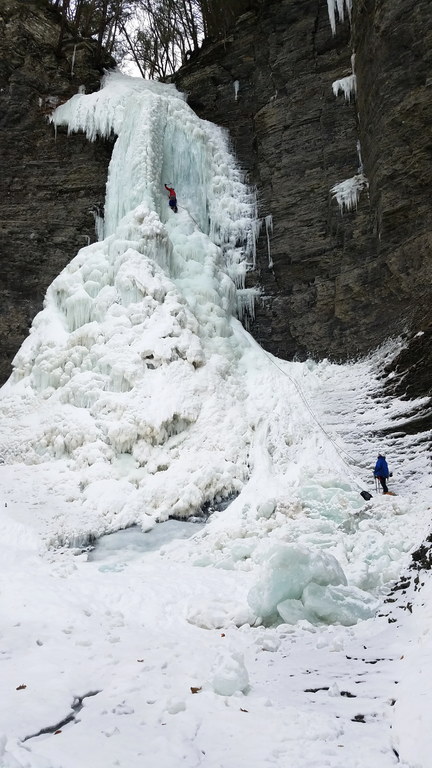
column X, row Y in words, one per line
column 99, row 19
column 157, row 34
column 166, row 30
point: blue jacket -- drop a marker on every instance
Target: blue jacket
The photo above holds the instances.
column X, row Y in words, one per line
column 381, row 468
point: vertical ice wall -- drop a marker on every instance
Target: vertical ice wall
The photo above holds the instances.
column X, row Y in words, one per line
column 160, row 140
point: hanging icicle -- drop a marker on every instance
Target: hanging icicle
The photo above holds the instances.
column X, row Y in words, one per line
column 347, row 86
column 340, row 6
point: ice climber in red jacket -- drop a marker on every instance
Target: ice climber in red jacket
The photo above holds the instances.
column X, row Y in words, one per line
column 172, row 202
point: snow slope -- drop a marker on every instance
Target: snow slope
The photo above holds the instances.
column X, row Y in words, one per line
column 137, row 396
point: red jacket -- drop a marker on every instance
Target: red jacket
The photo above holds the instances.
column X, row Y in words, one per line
column 171, row 191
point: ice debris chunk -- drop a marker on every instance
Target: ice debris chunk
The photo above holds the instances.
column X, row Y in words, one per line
column 287, row 572
column 229, row 674
column 292, row 611
column 338, row 604
column 300, row 584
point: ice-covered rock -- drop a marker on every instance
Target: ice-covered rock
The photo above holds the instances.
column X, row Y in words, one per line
column 218, row 613
column 267, row 641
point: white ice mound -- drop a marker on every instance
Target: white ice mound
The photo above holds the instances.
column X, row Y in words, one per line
column 288, row 571
column 229, row 674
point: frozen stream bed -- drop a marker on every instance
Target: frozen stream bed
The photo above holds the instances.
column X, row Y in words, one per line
column 116, row 549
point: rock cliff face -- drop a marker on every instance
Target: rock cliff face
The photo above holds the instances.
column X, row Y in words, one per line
column 333, row 282
column 336, row 283
column 48, row 186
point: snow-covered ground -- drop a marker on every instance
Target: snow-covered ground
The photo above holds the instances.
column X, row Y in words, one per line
column 265, row 638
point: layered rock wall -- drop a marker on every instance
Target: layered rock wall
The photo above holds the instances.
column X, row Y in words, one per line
column 336, row 283
column 49, row 186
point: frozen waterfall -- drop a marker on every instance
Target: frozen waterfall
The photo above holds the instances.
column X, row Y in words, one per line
column 143, row 388
column 135, row 342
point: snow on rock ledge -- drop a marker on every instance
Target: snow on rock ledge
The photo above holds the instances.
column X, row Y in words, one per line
column 347, row 86
column 347, row 193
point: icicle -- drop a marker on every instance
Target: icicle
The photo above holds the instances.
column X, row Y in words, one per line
column 99, row 222
column 73, row 61
column 237, row 271
column 236, row 89
column 78, row 308
column 347, row 193
column 340, row 5
column 256, row 231
column 269, row 231
column 246, row 305
column 347, row 85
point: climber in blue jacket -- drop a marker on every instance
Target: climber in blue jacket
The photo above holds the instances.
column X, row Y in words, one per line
column 381, row 471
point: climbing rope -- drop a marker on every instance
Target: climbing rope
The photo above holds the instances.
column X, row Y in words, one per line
column 189, row 213
column 338, row 448
column 297, row 386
